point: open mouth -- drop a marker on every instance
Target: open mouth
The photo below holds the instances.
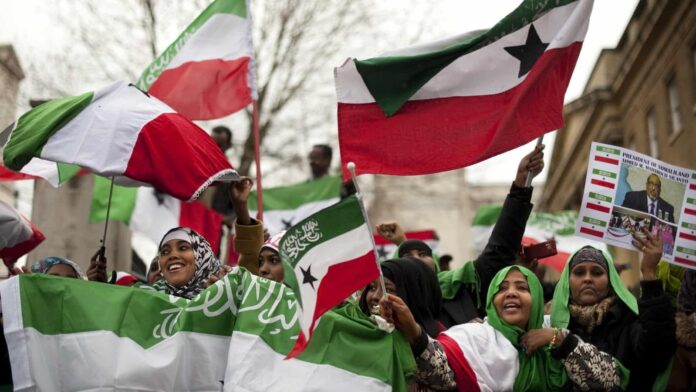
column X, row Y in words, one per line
column 374, row 308
column 511, row 306
column 175, row 266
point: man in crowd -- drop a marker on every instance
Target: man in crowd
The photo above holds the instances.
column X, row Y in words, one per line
column 320, row 160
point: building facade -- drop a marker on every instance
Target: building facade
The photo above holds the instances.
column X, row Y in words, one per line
column 641, row 95
column 10, row 75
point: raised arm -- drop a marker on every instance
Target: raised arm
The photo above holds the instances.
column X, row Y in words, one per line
column 504, row 242
column 248, row 231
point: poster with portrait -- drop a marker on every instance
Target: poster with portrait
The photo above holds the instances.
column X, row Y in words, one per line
column 626, row 191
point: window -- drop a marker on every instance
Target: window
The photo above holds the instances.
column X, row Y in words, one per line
column 674, row 105
column 652, row 133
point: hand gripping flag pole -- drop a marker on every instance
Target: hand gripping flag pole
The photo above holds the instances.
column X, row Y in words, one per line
column 358, row 194
column 528, row 183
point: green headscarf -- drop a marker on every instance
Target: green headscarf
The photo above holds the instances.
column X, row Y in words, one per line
column 560, row 315
column 538, row 372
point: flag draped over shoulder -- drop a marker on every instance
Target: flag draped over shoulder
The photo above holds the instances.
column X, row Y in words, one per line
column 207, row 72
column 122, row 132
column 232, row 337
column 453, row 103
column 152, row 213
column 541, row 226
column 327, row 257
column 287, row 205
column 18, row 236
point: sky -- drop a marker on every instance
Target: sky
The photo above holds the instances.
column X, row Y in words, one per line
column 27, row 25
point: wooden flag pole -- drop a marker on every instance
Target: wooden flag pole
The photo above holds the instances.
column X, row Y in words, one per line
column 528, row 183
column 257, row 158
column 102, row 248
column 358, row 194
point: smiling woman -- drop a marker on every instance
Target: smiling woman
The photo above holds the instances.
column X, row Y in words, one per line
column 186, row 262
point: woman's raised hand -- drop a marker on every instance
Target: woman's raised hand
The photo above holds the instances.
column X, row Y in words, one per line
column 394, row 310
column 651, row 247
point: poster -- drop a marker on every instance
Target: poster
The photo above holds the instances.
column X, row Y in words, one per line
column 626, row 191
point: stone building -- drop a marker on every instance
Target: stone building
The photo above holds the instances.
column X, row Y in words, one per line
column 10, row 75
column 640, row 95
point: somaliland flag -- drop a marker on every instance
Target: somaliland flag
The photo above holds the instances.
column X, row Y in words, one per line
column 285, row 206
column 152, row 213
column 18, row 236
column 207, row 72
column 327, row 257
column 453, row 103
column 109, row 337
column 541, row 226
column 122, row 132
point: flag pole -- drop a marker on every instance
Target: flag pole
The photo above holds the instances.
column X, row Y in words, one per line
column 358, row 194
column 102, row 248
column 257, row 158
column 528, row 183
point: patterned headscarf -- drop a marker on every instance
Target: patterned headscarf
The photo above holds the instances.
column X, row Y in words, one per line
column 206, row 264
column 273, row 243
column 42, row 266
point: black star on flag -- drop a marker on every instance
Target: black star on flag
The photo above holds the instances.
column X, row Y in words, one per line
column 529, row 53
column 307, row 277
column 381, row 252
column 286, row 223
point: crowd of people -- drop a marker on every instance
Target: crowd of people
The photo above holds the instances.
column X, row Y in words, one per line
column 483, row 326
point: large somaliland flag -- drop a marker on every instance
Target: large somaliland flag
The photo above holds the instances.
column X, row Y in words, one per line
column 122, row 132
column 285, row 206
column 207, row 72
column 151, row 213
column 18, row 236
column 233, row 337
column 541, row 226
column 456, row 102
column 327, row 257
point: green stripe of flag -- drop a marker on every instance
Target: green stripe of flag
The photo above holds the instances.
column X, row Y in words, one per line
column 593, row 221
column 604, row 173
column 36, row 126
column 153, row 71
column 693, row 176
column 122, row 201
column 66, row 171
column 393, row 80
column 600, row 197
column 321, row 227
column 609, row 150
column 691, row 200
column 688, row 251
column 87, row 306
column 487, row 215
column 688, row 225
column 293, row 196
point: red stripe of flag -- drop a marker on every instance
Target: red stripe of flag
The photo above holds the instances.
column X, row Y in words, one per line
column 595, row 233
column 685, row 261
column 689, row 211
column 692, row 187
column 687, row 236
column 606, row 160
column 598, row 208
column 605, row 184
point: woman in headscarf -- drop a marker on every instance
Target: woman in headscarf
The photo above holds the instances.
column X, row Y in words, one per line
column 270, row 265
column 57, row 266
column 186, row 261
column 500, row 354
column 592, row 302
column 414, row 285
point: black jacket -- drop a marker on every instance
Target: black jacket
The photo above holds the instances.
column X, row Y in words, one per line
column 500, row 252
column 645, row 343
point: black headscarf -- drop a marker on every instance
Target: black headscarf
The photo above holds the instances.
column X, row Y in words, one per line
column 410, row 245
column 417, row 285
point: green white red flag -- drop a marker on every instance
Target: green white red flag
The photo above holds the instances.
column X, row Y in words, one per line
column 541, row 226
column 387, row 249
column 285, row 206
column 327, row 257
column 151, row 213
column 122, row 132
column 207, row 72
column 453, row 103
column 109, row 337
column 18, row 236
